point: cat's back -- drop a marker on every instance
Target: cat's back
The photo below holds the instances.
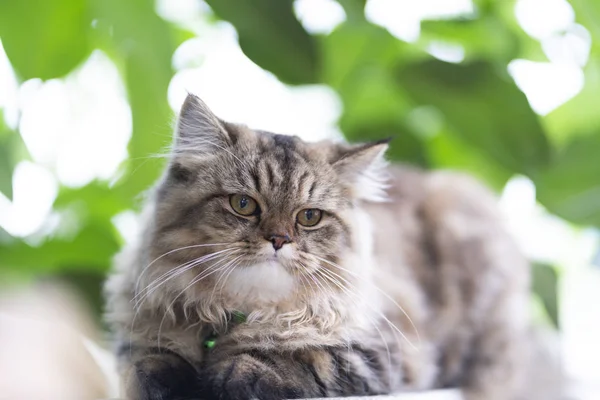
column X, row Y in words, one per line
column 442, row 253
column 428, row 213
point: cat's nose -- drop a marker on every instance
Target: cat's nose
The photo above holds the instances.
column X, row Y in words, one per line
column 278, row 240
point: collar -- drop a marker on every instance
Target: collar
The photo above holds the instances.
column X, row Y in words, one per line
column 235, row 318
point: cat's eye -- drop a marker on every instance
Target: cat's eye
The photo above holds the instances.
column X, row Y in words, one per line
column 309, row 217
column 243, row 205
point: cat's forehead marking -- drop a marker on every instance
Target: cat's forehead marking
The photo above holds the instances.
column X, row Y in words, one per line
column 283, row 171
column 283, row 168
column 284, row 141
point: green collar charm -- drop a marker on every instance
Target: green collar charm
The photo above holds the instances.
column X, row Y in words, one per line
column 236, row 318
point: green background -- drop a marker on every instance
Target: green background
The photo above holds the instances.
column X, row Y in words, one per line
column 483, row 122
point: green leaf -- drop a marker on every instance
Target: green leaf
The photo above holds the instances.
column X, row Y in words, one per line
column 96, row 201
column 354, row 9
column 12, row 150
column 504, row 11
column 92, row 248
column 570, row 187
column 544, row 282
column 271, row 36
column 180, row 34
column 354, row 50
column 484, row 108
column 587, row 13
column 143, row 46
column 6, row 162
column 147, row 83
column 6, row 171
column 359, row 62
column 493, row 33
column 448, row 151
column 405, row 146
column 484, row 37
column 45, row 38
column 579, row 115
column 371, row 100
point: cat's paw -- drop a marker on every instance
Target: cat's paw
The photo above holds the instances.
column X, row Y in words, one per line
column 162, row 377
column 245, row 377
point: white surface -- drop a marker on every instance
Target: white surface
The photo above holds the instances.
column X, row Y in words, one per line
column 446, row 394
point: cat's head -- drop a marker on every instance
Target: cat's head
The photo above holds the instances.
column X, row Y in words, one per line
column 258, row 218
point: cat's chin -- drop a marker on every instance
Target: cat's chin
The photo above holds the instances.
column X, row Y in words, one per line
column 262, row 283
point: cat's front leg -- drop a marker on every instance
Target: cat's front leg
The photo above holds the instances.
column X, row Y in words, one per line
column 159, row 374
column 307, row 373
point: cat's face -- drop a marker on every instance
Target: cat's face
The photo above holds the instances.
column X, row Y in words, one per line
column 255, row 217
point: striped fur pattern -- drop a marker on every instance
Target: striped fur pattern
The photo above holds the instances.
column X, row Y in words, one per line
column 408, row 282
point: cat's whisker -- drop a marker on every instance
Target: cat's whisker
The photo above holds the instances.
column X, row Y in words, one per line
column 154, row 285
column 381, row 291
column 170, row 271
column 138, row 307
column 171, row 252
column 223, row 274
column 144, row 294
column 312, row 289
column 332, row 276
column 348, row 344
column 300, row 276
column 231, row 266
column 139, row 304
column 175, row 269
column 328, row 281
column 319, row 285
column 238, row 262
column 305, row 281
column 351, row 293
column 387, row 347
column 220, row 265
column 372, row 321
column 202, row 275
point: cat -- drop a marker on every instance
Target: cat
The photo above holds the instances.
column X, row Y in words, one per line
column 272, row 268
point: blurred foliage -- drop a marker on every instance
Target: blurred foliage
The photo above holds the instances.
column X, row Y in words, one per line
column 271, row 36
column 468, row 116
column 545, row 278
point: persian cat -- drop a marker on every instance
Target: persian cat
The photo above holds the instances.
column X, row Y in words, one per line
column 273, row 268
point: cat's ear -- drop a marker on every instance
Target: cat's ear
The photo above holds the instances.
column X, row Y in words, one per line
column 199, row 130
column 363, row 166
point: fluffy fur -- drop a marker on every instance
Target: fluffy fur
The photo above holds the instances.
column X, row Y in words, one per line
column 415, row 289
